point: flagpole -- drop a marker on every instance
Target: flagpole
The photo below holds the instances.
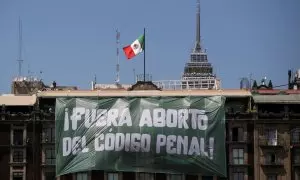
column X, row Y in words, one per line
column 144, row 55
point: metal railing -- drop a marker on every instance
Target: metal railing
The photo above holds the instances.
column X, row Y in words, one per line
column 140, row 77
column 188, row 84
column 271, row 142
column 16, row 116
column 240, row 115
column 273, row 163
column 241, row 139
column 294, row 115
column 271, row 115
column 295, row 141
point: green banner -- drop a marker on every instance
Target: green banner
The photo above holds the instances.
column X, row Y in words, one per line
column 141, row 134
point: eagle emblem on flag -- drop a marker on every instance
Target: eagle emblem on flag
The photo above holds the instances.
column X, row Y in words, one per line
column 135, row 46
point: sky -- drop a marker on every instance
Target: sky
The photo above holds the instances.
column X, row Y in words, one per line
column 72, row 40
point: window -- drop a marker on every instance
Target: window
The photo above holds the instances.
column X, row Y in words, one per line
column 270, row 158
column 176, row 177
column 81, row 176
column 48, row 134
column 194, row 58
column 271, row 136
column 49, row 175
column 238, row 176
column 18, row 137
column 297, row 175
column 222, row 178
column 207, row 177
column 238, row 156
column 238, row 173
column 18, row 156
column 145, row 176
column 296, row 156
column 112, row 176
column 191, row 177
column 237, row 134
column 17, row 176
column 50, row 156
column 296, row 136
column 272, row 177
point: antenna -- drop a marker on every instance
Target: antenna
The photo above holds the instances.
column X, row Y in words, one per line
column 118, row 57
column 28, row 70
column 134, row 76
column 20, row 60
column 29, row 73
column 198, row 36
column 250, row 81
column 197, row 47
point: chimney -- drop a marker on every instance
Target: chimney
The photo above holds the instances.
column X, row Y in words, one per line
column 93, row 85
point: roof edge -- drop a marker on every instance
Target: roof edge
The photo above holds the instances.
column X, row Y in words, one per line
column 120, row 93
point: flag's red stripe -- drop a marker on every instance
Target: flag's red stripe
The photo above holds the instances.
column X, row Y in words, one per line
column 128, row 52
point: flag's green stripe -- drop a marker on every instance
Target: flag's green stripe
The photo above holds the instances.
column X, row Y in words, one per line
column 141, row 40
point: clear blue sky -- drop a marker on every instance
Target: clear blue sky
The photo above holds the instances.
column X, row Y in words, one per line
column 71, row 40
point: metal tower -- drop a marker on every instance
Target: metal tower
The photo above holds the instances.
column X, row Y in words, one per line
column 198, row 72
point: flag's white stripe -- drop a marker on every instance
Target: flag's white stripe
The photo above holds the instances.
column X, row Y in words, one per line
column 136, row 47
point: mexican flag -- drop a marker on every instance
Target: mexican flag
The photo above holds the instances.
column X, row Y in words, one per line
column 135, row 48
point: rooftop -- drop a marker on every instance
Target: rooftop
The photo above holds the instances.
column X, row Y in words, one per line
column 277, row 99
column 260, row 96
column 29, row 100
column 16, row 100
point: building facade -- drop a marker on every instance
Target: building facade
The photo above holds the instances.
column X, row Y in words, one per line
column 276, row 135
column 262, row 136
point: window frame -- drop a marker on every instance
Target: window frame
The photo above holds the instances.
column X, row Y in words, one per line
column 18, row 142
column 48, row 134
column 51, row 158
column 46, row 173
column 17, row 174
column 296, row 156
column 240, row 175
column 147, row 176
column 175, row 176
column 16, row 154
column 240, row 158
column 240, row 134
column 295, row 136
column 271, row 176
column 82, row 177
column 268, row 158
column 238, row 170
column 268, row 136
column 115, row 175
